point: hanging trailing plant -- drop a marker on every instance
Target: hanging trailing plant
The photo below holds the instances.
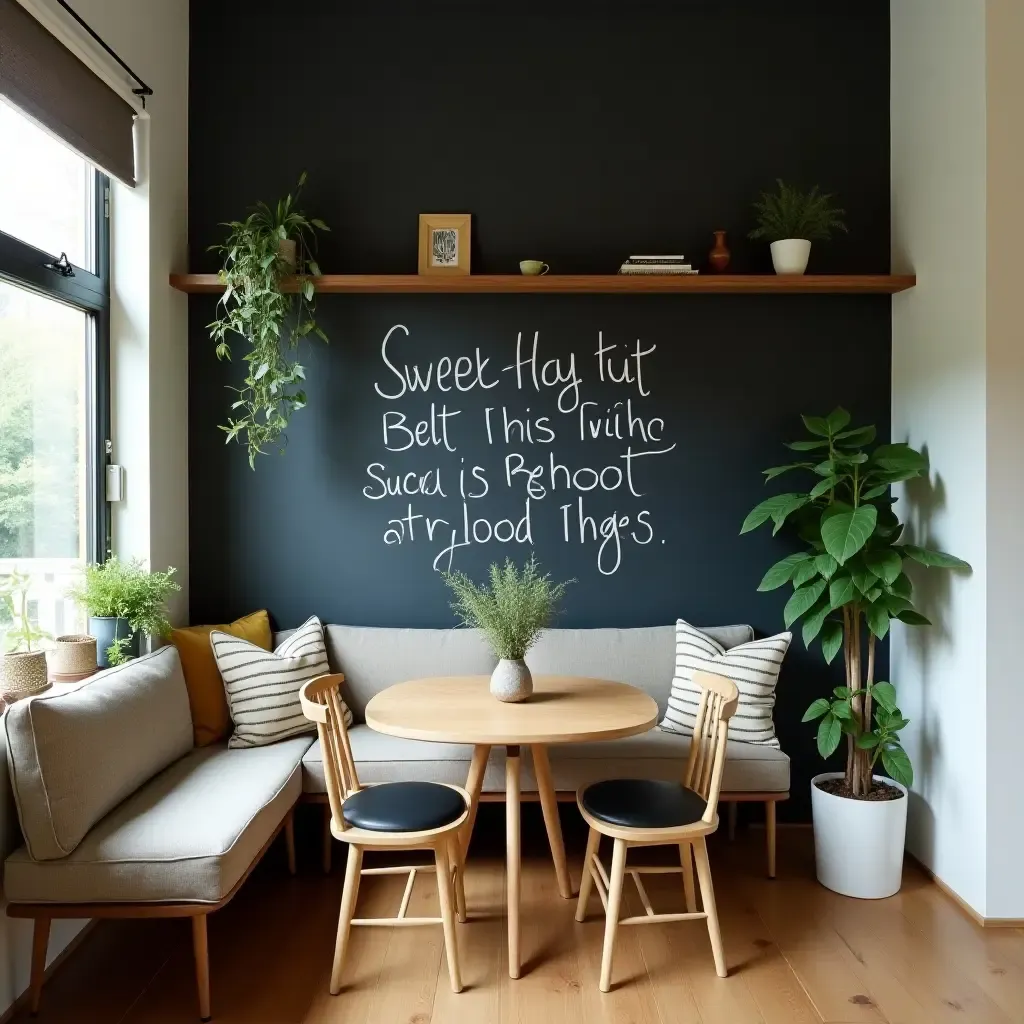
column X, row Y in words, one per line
column 271, row 244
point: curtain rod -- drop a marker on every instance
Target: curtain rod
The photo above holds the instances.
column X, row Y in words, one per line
column 143, row 90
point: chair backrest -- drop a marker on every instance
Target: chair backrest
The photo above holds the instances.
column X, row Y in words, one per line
column 321, row 703
column 718, row 699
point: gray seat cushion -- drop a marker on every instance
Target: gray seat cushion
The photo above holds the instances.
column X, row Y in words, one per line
column 381, row 758
column 187, row 835
column 653, row 755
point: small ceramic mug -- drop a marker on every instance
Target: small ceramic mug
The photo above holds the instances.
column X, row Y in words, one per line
column 533, row 268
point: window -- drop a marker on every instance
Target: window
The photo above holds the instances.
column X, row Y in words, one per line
column 54, row 407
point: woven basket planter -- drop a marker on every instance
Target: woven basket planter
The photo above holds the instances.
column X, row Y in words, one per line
column 73, row 657
column 23, row 675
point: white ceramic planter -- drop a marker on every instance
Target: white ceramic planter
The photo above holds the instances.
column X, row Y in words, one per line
column 511, row 681
column 790, row 255
column 858, row 844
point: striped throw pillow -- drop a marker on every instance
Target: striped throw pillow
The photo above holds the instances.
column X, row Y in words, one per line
column 262, row 687
column 753, row 667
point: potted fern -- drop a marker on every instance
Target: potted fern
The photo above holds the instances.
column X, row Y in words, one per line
column 272, row 311
column 123, row 601
column 23, row 668
column 791, row 219
column 849, row 582
column 511, row 613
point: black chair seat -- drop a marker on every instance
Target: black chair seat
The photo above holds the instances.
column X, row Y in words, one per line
column 643, row 803
column 403, row 807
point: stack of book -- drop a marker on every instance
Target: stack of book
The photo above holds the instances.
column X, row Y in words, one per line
column 657, row 265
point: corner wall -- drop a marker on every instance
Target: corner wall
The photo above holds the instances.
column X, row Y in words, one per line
column 957, row 145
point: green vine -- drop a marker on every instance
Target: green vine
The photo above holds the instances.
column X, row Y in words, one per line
column 272, row 320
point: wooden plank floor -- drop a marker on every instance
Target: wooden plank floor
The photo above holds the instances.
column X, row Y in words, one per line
column 797, row 954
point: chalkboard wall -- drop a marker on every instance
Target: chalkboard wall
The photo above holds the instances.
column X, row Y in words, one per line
column 576, row 135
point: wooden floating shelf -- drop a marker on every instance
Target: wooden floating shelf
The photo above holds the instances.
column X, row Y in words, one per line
column 560, row 284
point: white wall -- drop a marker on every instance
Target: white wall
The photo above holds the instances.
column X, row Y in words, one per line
column 149, row 321
column 1005, row 457
column 149, row 340
column 938, row 401
column 958, row 383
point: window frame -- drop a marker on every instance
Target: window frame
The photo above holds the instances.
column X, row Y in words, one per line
column 27, row 267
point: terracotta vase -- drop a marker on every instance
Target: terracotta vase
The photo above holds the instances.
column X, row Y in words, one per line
column 718, row 258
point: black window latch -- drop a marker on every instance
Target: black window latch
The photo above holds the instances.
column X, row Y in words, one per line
column 61, row 265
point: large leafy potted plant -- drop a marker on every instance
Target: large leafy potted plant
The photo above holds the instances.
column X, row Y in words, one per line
column 791, row 219
column 23, row 668
column 511, row 613
column 123, row 601
column 272, row 310
column 849, row 582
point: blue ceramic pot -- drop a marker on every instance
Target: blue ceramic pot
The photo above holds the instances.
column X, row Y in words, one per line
column 107, row 629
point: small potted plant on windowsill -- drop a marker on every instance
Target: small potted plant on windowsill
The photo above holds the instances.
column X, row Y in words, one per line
column 23, row 669
column 849, row 582
column 273, row 242
column 123, row 601
column 511, row 613
column 791, row 219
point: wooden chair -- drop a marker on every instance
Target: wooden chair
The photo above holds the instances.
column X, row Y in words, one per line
column 390, row 816
column 645, row 812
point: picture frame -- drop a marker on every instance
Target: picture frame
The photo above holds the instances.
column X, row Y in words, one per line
column 444, row 243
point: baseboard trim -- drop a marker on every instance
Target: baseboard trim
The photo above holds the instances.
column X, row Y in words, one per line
column 954, row 897
column 21, row 1002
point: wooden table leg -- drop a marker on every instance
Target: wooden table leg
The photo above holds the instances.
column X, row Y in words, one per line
column 549, row 805
column 512, row 854
column 474, row 784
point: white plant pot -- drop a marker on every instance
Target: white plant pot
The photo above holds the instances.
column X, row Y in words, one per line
column 858, row 844
column 790, row 255
column 511, row 681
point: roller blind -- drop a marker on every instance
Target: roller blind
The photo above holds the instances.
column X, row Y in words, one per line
column 45, row 80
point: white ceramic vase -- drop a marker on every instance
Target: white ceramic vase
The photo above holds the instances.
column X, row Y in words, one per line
column 511, row 680
column 790, row 255
column 858, row 844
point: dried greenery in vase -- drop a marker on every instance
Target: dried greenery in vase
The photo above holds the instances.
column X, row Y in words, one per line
column 792, row 213
column 849, row 581
column 271, row 320
column 511, row 612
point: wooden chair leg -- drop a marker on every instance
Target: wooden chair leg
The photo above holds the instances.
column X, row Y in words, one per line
column 201, row 952
column 348, row 906
column 611, row 923
column 458, row 875
column 328, row 838
column 707, row 895
column 687, row 861
column 587, row 879
column 769, row 821
column 40, row 941
column 444, row 894
column 289, row 840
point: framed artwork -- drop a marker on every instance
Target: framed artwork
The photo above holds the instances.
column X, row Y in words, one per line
column 444, row 243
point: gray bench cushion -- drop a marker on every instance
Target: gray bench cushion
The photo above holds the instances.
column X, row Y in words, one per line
column 187, row 835
column 76, row 754
column 376, row 657
column 652, row 755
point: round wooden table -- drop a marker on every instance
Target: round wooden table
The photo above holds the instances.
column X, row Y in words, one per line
column 563, row 709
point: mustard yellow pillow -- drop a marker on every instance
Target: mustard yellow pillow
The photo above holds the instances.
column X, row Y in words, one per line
column 210, row 718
